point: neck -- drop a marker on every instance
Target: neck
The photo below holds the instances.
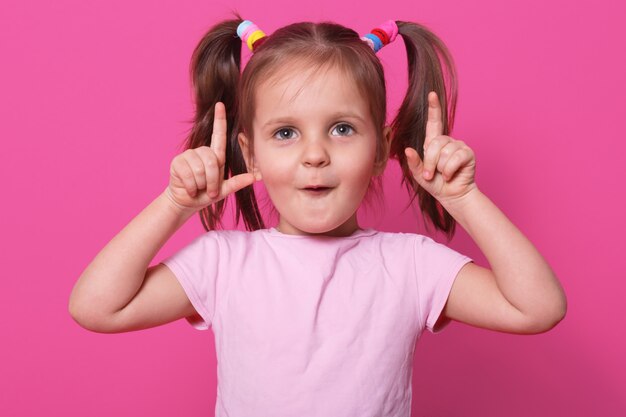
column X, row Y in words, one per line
column 348, row 228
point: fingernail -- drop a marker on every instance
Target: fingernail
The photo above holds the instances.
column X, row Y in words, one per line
column 426, row 174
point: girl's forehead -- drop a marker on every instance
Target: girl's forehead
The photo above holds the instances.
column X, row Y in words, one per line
column 289, row 86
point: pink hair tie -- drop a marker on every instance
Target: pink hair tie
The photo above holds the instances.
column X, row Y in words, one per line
column 390, row 28
column 381, row 35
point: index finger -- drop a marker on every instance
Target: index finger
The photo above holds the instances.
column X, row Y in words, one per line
column 434, row 124
column 218, row 138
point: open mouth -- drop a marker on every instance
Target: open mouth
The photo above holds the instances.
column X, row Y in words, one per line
column 317, row 190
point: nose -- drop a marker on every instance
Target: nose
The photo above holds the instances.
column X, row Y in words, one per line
column 315, row 153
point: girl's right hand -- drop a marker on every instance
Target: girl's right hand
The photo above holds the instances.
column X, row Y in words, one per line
column 196, row 175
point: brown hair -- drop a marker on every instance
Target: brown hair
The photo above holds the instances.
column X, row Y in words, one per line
column 216, row 75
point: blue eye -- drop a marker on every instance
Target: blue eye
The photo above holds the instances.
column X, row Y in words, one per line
column 282, row 130
column 343, row 127
column 286, row 133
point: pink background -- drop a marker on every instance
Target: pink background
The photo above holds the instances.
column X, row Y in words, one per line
column 94, row 103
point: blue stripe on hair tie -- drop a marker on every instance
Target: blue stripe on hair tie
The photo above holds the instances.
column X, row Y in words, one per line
column 242, row 26
column 377, row 42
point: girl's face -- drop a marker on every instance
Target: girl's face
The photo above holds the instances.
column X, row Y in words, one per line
column 319, row 136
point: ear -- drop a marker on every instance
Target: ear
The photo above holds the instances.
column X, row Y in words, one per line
column 244, row 144
column 380, row 165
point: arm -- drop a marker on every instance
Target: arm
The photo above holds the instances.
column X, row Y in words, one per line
column 521, row 294
column 118, row 292
column 522, row 276
column 117, row 273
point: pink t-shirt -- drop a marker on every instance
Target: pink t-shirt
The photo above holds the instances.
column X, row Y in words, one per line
column 315, row 326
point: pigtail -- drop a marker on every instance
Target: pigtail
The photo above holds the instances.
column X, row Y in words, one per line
column 425, row 55
column 215, row 72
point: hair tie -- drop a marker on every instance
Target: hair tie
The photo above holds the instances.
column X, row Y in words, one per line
column 250, row 34
column 381, row 35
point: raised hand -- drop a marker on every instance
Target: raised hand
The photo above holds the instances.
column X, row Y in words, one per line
column 447, row 172
column 196, row 175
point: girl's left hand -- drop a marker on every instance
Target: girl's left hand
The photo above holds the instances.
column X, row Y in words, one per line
column 447, row 172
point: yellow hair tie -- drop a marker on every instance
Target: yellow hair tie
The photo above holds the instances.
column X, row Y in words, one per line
column 254, row 36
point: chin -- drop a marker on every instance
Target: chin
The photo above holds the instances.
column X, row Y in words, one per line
column 315, row 230
column 321, row 228
column 313, row 227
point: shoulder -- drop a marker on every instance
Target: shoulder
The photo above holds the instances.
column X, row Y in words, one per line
column 231, row 234
column 424, row 250
column 405, row 238
column 429, row 252
column 220, row 239
column 393, row 244
column 236, row 239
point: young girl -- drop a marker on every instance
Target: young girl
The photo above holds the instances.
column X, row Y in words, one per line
column 317, row 316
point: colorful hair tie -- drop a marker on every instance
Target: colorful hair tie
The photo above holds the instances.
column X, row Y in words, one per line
column 250, row 34
column 381, row 35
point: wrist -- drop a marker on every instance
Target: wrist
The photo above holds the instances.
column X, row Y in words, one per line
column 175, row 208
column 459, row 204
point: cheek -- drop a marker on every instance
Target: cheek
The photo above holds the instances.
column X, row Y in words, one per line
column 275, row 169
column 358, row 176
column 358, row 164
column 277, row 176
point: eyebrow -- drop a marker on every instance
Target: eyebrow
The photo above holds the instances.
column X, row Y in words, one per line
column 338, row 115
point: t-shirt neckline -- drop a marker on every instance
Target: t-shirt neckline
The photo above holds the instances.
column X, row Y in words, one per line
column 273, row 231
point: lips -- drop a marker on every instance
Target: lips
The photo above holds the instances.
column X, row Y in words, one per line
column 317, row 190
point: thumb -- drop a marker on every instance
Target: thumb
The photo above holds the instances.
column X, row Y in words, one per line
column 236, row 183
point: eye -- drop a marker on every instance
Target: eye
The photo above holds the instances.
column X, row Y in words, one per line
column 343, row 128
column 281, row 132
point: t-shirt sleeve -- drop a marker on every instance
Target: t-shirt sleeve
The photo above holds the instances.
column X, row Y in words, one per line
column 437, row 266
column 197, row 267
